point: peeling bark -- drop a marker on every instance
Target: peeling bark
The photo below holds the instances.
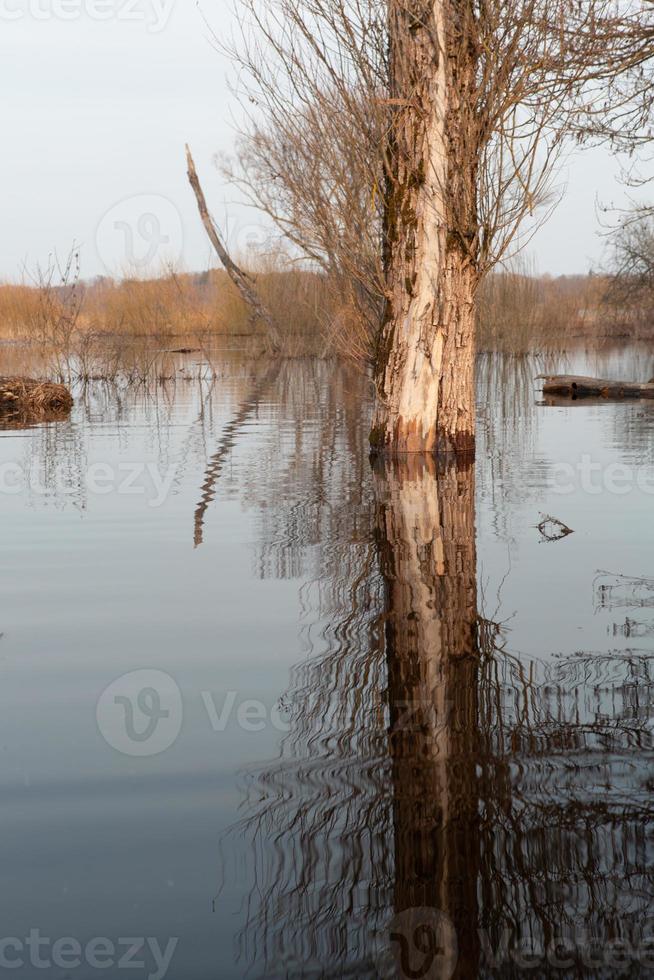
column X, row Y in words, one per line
column 425, row 362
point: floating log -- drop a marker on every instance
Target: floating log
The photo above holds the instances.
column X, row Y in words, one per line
column 577, row 386
column 34, row 398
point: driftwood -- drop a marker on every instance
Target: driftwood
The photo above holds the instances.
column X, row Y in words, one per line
column 577, row 386
column 243, row 282
column 33, row 398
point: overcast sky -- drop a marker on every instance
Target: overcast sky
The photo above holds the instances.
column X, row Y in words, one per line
column 100, row 97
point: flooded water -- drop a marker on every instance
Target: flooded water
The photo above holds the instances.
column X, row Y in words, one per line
column 268, row 710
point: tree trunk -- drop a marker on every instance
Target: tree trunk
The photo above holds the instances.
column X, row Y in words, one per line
column 426, row 531
column 425, row 360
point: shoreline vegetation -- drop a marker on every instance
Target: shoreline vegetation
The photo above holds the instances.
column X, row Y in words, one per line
column 129, row 329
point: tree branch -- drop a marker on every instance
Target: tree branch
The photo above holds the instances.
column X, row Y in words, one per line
column 243, row 282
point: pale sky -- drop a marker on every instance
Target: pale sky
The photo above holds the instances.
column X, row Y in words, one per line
column 100, row 97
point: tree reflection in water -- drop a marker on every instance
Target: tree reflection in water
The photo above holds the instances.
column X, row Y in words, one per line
column 426, row 533
column 428, row 768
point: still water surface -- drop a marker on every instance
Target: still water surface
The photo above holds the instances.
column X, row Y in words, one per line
column 268, row 710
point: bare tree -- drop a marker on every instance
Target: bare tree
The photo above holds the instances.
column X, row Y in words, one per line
column 313, row 82
column 401, row 145
column 625, row 120
column 631, row 266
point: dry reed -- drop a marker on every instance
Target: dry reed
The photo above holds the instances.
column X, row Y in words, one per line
column 33, row 397
column 131, row 328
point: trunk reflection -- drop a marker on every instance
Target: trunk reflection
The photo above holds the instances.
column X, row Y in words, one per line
column 426, row 533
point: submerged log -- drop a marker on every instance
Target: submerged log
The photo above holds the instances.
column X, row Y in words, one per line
column 37, row 399
column 577, row 386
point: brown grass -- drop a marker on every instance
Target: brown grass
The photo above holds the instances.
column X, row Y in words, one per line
column 129, row 331
column 131, row 328
column 111, row 328
column 521, row 312
column 175, row 304
column 29, row 396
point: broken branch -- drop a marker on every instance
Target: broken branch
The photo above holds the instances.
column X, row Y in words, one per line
column 243, row 282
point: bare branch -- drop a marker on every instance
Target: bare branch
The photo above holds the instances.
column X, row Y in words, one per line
column 243, row 282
